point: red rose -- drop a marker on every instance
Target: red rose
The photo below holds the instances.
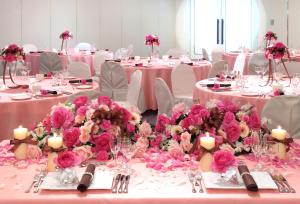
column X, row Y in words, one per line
column 66, row 159
column 71, row 137
column 222, row 160
column 80, row 101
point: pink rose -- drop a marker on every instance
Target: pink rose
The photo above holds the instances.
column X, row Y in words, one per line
column 140, row 147
column 226, row 106
column 175, row 116
column 185, row 137
column 80, row 101
column 62, row 118
column 82, row 110
column 104, row 100
column 186, row 146
column 105, row 125
column 245, row 118
column 196, row 108
column 71, row 137
column 47, row 124
column 222, row 160
column 233, row 132
column 250, row 141
column 145, row 129
column 102, row 142
column 102, row 156
column 191, row 120
column 84, row 137
column 161, row 123
column 130, row 128
column 67, row 159
column 83, row 152
column 33, row 152
column 228, row 118
column 254, row 121
column 156, row 141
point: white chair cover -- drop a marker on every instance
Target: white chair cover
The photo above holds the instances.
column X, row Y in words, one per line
column 217, row 68
column 175, row 52
column 217, row 54
column 284, row 111
column 164, row 97
column 121, row 53
column 240, row 63
column 27, row 48
column 107, row 55
column 98, row 60
column 205, row 54
column 84, row 46
column 257, row 59
column 79, row 69
column 114, row 81
column 49, row 62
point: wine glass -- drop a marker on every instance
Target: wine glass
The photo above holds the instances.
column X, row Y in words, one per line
column 115, row 146
column 127, row 149
column 295, row 81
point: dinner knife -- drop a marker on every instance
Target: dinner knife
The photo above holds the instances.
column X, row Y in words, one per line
column 115, row 185
column 127, row 179
column 123, row 177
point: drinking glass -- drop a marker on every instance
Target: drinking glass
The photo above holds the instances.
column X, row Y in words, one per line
column 127, row 149
column 295, row 81
column 258, row 70
column 115, row 146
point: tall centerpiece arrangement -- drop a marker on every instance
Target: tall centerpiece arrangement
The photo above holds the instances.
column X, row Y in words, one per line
column 278, row 52
column 152, row 40
column 11, row 55
column 65, row 36
column 270, row 37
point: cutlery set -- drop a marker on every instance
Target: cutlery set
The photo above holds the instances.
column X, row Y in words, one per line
column 282, row 184
column 195, row 179
column 36, row 182
column 120, row 183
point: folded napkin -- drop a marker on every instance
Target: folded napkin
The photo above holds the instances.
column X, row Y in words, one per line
column 139, row 64
column 49, row 74
column 117, row 60
column 188, row 63
column 46, row 92
column 86, row 178
column 221, row 85
column 83, row 81
column 247, row 178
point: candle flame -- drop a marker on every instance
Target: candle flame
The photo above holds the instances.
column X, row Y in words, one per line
column 207, row 134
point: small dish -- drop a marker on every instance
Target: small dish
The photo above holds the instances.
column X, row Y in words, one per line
column 20, row 96
column 85, row 86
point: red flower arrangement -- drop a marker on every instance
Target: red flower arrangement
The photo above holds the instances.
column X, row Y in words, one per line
column 67, row 35
column 270, row 36
column 152, row 40
column 222, row 160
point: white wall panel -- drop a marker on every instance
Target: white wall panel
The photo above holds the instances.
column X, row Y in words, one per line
column 35, row 23
column 10, row 23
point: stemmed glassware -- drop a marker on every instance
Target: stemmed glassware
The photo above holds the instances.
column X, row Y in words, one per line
column 127, row 150
column 295, row 81
column 115, row 146
column 259, row 149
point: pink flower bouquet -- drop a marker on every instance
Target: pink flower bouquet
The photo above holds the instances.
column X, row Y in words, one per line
column 67, row 159
column 152, row 40
column 222, row 160
column 65, row 36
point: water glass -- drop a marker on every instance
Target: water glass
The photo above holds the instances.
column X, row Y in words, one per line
column 115, row 146
column 127, row 149
column 295, row 81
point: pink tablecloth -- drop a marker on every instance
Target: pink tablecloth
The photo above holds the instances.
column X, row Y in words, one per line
column 26, row 112
column 230, row 58
column 146, row 186
column 34, row 58
column 150, row 73
column 203, row 94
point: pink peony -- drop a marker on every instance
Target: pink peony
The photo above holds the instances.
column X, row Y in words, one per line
column 145, row 129
column 162, row 122
column 83, row 152
column 104, row 100
column 102, row 156
column 67, row 159
column 62, row 118
column 81, row 110
column 233, row 132
column 222, row 160
column 80, row 101
column 33, row 152
column 102, row 142
column 105, row 125
column 71, row 137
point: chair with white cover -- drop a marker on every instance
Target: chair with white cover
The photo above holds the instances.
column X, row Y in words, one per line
column 27, row 48
column 217, row 68
column 217, row 54
column 164, row 97
column 257, row 59
column 289, row 115
column 114, row 81
column 240, row 63
column 84, row 46
column 79, row 69
column 183, row 83
column 50, row 62
column 135, row 94
column 176, row 52
column 98, row 60
column 205, row 54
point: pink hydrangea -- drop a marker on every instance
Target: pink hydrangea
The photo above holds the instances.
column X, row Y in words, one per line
column 105, row 125
column 162, row 122
column 102, row 156
column 222, row 160
column 67, row 159
column 104, row 100
column 233, row 132
column 62, row 118
column 71, row 137
column 80, row 101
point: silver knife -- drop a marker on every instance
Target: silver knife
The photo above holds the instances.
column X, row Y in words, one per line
column 115, row 185
column 127, row 179
column 123, row 177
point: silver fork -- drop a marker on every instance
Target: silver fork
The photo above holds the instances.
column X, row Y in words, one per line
column 40, row 181
column 291, row 189
column 198, row 179
column 191, row 176
column 35, row 180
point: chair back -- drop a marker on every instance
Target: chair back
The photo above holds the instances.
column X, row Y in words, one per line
column 84, row 46
column 135, row 88
column 98, row 60
column 257, row 59
column 49, row 62
column 164, row 97
column 217, row 54
column 183, row 80
column 80, row 70
column 284, row 111
column 205, row 54
column 27, row 48
column 240, row 63
column 175, row 52
column 217, row 68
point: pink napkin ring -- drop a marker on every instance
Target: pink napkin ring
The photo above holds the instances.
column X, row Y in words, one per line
column 83, row 81
column 216, row 86
column 43, row 92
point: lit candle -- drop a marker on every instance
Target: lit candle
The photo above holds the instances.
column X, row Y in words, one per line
column 55, row 142
column 20, row 133
column 279, row 133
column 207, row 142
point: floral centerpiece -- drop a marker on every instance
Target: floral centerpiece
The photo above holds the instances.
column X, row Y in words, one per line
column 65, row 36
column 269, row 37
column 278, row 52
column 11, row 54
column 151, row 40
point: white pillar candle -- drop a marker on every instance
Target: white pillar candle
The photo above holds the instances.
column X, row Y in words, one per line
column 20, row 133
column 55, row 142
column 51, row 166
column 21, row 151
column 279, row 133
column 207, row 142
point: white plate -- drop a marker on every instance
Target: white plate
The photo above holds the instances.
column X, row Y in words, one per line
column 250, row 94
column 262, row 179
column 21, row 96
column 84, row 87
column 102, row 180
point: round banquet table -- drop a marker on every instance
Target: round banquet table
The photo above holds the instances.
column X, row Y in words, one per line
column 34, row 59
column 204, row 94
column 201, row 70
column 27, row 112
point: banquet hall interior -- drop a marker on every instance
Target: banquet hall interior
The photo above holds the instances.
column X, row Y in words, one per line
column 149, row 101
